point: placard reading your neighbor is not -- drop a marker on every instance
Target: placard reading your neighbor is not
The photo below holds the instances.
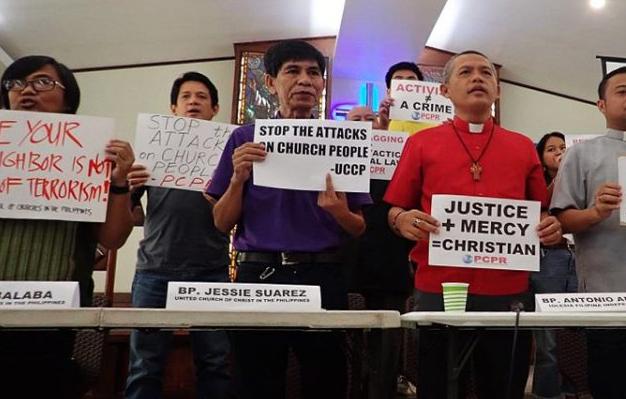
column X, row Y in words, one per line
column 53, row 166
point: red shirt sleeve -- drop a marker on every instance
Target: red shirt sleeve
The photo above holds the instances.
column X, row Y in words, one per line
column 405, row 188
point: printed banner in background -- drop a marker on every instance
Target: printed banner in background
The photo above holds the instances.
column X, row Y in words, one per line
column 386, row 150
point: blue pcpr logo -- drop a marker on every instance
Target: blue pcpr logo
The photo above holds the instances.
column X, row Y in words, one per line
column 467, row 259
column 416, row 116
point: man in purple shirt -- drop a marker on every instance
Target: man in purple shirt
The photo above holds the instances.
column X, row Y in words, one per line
column 286, row 237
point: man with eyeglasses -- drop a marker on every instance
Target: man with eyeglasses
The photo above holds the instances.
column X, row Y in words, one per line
column 39, row 364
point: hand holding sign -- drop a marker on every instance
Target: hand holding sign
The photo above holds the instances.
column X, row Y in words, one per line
column 415, row 225
column 243, row 157
column 383, row 112
column 121, row 154
column 549, row 231
column 607, row 199
column 336, row 204
column 138, row 176
column 331, row 201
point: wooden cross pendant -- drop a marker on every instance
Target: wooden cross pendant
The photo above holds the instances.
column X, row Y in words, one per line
column 476, row 170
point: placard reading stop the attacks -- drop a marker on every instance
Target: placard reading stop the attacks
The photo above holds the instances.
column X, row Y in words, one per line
column 300, row 152
column 488, row 233
column 179, row 152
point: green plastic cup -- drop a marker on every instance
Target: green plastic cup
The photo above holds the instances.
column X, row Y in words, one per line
column 454, row 296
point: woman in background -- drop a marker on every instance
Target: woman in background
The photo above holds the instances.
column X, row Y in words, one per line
column 38, row 364
column 557, row 274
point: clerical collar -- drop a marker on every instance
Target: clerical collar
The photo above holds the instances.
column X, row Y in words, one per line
column 467, row 127
column 616, row 134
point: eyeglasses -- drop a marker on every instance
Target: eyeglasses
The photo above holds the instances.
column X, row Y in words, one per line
column 39, row 84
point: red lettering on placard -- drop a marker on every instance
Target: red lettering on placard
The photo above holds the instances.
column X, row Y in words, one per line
column 5, row 125
column 181, row 181
column 96, row 166
column 490, row 259
column 31, row 161
column 60, row 189
column 7, row 183
column 196, row 181
column 57, row 133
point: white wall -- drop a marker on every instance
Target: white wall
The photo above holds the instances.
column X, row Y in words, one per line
column 534, row 113
column 122, row 94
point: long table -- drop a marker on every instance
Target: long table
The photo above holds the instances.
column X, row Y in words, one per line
column 453, row 322
column 507, row 319
column 373, row 322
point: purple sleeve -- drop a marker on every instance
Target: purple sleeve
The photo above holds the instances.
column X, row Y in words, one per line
column 359, row 200
column 224, row 171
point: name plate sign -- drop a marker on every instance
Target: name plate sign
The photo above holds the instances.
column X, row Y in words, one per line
column 587, row 302
column 242, row 297
column 39, row 294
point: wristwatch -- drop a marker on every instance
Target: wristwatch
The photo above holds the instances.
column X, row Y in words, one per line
column 125, row 189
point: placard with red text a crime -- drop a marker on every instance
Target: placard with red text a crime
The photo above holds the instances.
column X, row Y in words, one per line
column 53, row 166
column 419, row 101
column 179, row 152
column 386, row 150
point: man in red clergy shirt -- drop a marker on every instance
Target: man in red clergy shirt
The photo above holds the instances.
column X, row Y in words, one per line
column 471, row 156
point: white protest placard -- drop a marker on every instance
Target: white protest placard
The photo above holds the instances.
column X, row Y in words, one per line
column 487, row 233
column 571, row 139
column 179, row 152
column 386, row 150
column 39, row 294
column 53, row 166
column 419, row 101
column 582, row 302
column 242, row 297
column 300, row 152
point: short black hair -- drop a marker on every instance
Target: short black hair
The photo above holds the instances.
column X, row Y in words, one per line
column 25, row 66
column 193, row 77
column 541, row 147
column 447, row 69
column 291, row 50
column 605, row 79
column 401, row 66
